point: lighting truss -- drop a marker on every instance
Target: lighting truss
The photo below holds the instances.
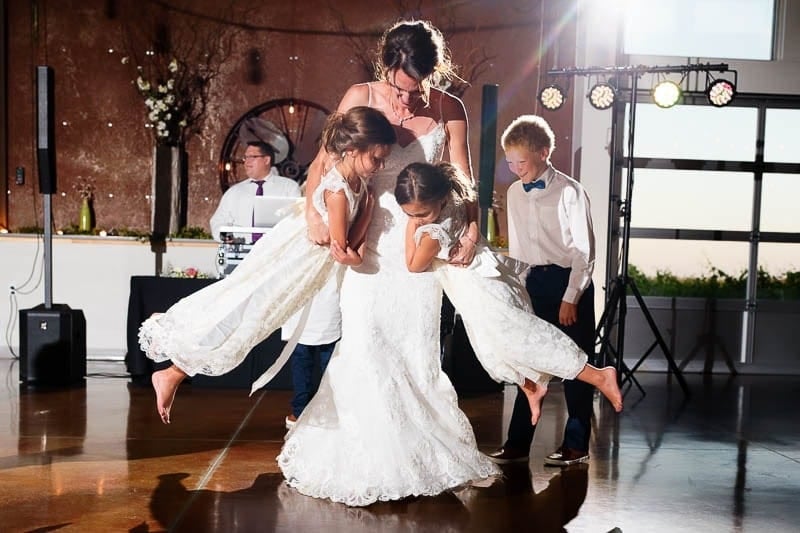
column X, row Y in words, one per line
column 720, row 92
column 610, row 332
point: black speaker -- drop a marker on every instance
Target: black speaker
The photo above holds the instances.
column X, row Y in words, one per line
column 52, row 344
column 488, row 146
column 45, row 131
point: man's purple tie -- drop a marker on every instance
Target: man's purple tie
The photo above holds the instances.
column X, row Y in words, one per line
column 259, row 192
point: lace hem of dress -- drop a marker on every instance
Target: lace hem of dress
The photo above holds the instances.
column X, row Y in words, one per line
column 328, row 484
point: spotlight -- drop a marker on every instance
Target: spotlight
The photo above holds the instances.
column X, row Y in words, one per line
column 602, row 96
column 666, row 94
column 721, row 92
column 552, row 97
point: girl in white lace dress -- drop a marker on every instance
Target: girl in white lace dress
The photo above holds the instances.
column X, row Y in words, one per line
column 211, row 331
column 511, row 343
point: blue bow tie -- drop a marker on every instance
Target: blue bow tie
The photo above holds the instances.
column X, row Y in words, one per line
column 538, row 184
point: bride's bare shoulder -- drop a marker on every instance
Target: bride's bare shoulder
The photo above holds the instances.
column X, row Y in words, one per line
column 356, row 95
column 452, row 107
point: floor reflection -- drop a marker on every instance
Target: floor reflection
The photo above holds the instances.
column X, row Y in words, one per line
column 97, row 458
column 510, row 504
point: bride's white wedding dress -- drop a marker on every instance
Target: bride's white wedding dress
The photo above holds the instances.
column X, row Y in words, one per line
column 385, row 422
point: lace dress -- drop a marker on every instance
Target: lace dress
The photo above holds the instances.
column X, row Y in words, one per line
column 510, row 342
column 211, row 331
column 385, row 422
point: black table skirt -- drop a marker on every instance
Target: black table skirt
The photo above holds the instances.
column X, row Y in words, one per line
column 151, row 294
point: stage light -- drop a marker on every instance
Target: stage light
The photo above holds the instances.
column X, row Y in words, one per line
column 666, row 94
column 552, row 97
column 602, row 96
column 721, row 92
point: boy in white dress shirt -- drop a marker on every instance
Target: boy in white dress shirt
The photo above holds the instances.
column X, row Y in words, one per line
column 550, row 228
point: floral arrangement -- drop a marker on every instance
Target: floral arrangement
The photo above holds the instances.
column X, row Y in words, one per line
column 188, row 272
column 84, row 187
column 174, row 72
column 168, row 110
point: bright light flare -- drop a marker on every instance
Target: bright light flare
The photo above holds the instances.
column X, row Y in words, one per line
column 666, row 94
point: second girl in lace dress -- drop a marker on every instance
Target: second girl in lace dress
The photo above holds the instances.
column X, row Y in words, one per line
column 511, row 343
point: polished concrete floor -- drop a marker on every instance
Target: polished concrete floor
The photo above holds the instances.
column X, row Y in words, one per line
column 97, row 458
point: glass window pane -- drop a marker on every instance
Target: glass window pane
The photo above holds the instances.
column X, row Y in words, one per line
column 779, row 196
column 781, row 141
column 689, row 199
column 693, row 259
column 778, row 258
column 695, row 132
column 739, row 29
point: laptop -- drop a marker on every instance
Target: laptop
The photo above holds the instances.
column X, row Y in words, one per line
column 269, row 210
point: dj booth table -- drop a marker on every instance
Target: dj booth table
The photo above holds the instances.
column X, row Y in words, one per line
column 152, row 294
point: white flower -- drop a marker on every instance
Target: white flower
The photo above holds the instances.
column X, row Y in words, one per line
column 170, row 84
column 182, row 123
column 152, row 116
column 161, row 125
column 170, row 99
column 173, row 66
column 125, row 60
column 143, row 85
column 162, row 89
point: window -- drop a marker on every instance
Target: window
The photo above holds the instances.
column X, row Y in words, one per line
column 735, row 29
column 698, row 132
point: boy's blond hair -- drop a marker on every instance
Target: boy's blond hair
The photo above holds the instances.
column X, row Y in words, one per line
column 530, row 132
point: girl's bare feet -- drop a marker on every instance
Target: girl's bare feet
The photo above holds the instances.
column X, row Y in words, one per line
column 535, row 394
column 165, row 383
column 607, row 384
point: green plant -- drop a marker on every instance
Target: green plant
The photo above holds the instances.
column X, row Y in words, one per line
column 717, row 284
column 191, row 232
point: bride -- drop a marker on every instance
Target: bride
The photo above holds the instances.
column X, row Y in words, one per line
column 385, row 423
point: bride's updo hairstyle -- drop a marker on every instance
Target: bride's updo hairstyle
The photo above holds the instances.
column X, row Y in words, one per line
column 357, row 129
column 428, row 184
column 418, row 49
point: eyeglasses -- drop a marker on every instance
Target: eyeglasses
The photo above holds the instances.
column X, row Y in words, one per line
column 245, row 158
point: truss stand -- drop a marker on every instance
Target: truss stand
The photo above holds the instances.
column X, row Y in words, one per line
column 617, row 299
column 614, row 314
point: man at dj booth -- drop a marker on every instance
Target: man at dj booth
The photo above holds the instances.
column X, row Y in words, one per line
column 266, row 147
